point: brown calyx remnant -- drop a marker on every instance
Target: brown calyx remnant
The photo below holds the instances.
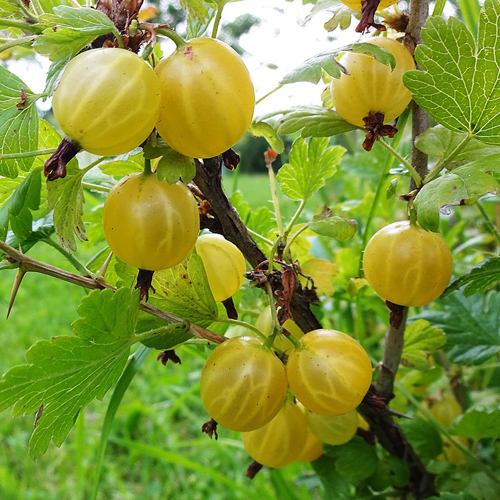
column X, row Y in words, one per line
column 232, row 313
column 55, row 166
column 253, row 469
column 165, row 356
column 144, row 280
column 231, row 159
column 369, row 7
column 210, row 428
column 374, row 124
column 396, row 315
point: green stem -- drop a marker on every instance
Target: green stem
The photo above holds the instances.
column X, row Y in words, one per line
column 445, row 431
column 268, row 94
column 22, row 25
column 25, row 40
column 275, row 324
column 439, row 7
column 147, row 167
column 263, row 238
column 218, row 17
column 27, row 154
column 70, row 258
column 276, row 204
column 434, row 172
column 95, row 187
column 177, row 39
column 80, row 453
column 37, row 7
column 119, row 39
column 294, row 219
column 156, row 332
column 27, row 14
column 294, row 237
column 242, row 323
column 403, row 161
column 271, row 256
column 489, row 223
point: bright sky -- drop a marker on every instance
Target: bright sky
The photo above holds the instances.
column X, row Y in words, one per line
column 279, row 44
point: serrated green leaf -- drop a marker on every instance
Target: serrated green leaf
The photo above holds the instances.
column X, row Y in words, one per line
column 420, row 340
column 310, row 164
column 356, row 459
column 40, row 230
column 334, row 227
column 475, row 424
column 463, row 186
column 472, row 326
column 23, row 200
column 479, row 279
column 312, row 121
column 48, row 138
column 66, row 197
column 423, row 436
column 66, row 373
column 183, row 290
column 197, row 9
column 262, row 129
column 174, row 166
column 70, row 29
column 53, row 73
column 132, row 164
column 460, row 82
column 341, row 17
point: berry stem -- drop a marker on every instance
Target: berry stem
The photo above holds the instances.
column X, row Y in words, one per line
column 242, row 323
column 168, row 32
column 416, row 178
column 218, row 17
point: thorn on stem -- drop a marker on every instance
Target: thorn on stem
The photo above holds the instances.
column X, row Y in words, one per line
column 15, row 288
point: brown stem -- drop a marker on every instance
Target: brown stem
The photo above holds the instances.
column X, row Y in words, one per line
column 27, row 264
column 209, row 180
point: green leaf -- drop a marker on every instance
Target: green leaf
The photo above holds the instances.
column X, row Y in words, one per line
column 10, row 9
column 334, row 227
column 460, row 82
column 18, row 126
column 420, row 340
column 479, row 279
column 472, row 326
column 423, row 436
column 53, row 74
column 341, row 17
column 70, row 29
column 197, row 10
column 42, row 229
column 335, row 485
column 312, row 69
column 183, row 290
column 66, row 373
column 134, row 163
column 440, row 142
column 477, row 425
column 310, row 164
column 17, row 210
column 462, row 186
column 262, row 129
column 174, row 166
column 312, row 121
column 66, row 197
column 356, row 459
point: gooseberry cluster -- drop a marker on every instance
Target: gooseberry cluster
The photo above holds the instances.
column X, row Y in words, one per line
column 200, row 99
column 285, row 411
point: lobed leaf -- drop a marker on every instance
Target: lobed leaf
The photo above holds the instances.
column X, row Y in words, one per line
column 66, row 373
column 174, row 166
column 460, row 82
column 420, row 340
column 479, row 279
column 476, row 425
column 423, row 436
column 66, row 197
column 310, row 164
column 472, row 326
